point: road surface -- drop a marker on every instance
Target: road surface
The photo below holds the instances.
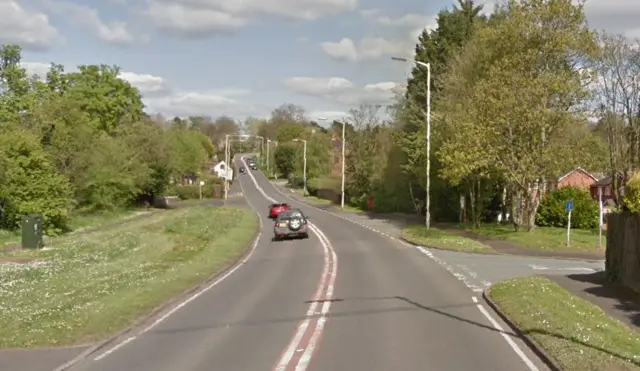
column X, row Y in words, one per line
column 346, row 299
column 477, row 271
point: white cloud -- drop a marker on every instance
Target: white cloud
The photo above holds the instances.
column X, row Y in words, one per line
column 210, row 17
column 327, row 116
column 369, row 48
column 185, row 20
column 31, row 30
column 341, row 90
column 36, row 68
column 409, row 20
column 344, row 49
column 161, row 97
column 369, row 13
column 113, row 32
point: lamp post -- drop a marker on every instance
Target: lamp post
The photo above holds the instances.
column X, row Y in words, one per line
column 341, row 161
column 304, row 164
column 428, row 136
column 268, row 142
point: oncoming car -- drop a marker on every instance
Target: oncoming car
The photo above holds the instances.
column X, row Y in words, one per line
column 290, row 224
column 276, row 209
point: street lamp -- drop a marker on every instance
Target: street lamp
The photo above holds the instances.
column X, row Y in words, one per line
column 304, row 165
column 342, row 160
column 428, row 135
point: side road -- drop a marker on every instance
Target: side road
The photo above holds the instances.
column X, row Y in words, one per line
column 580, row 278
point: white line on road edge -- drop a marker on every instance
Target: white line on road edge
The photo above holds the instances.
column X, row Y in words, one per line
column 189, row 299
column 512, row 344
column 323, row 293
column 462, row 277
column 494, row 323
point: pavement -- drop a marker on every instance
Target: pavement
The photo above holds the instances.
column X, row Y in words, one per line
column 347, row 299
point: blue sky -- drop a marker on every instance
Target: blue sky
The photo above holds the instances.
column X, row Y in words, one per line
column 244, row 57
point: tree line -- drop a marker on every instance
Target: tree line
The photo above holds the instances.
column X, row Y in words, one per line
column 520, row 97
column 78, row 142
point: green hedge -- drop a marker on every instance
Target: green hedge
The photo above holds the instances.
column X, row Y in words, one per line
column 552, row 212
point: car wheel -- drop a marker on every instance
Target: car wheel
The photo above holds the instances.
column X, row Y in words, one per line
column 275, row 239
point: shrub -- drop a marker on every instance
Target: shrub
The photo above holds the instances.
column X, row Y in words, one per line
column 30, row 184
column 631, row 201
column 552, row 212
column 192, row 191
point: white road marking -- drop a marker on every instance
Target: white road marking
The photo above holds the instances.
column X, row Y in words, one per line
column 324, row 293
column 507, row 338
column 494, row 323
column 193, row 297
column 577, row 269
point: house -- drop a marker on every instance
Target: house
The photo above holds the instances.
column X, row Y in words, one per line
column 577, row 178
column 219, row 169
column 606, row 185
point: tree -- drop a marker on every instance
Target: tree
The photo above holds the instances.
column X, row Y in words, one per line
column 437, row 47
column 524, row 88
column 284, row 158
column 30, row 184
column 617, row 97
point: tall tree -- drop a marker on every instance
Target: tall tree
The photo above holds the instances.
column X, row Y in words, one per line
column 514, row 98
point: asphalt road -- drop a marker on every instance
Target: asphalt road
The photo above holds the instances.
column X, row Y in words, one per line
column 476, row 271
column 347, row 298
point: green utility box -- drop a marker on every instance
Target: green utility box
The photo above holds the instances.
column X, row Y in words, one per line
column 32, row 228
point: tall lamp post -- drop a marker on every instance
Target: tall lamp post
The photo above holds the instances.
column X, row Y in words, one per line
column 341, row 161
column 428, row 135
column 304, row 164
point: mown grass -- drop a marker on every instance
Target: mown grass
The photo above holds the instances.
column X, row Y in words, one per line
column 78, row 222
column 543, row 238
column 90, row 285
column 576, row 333
column 437, row 238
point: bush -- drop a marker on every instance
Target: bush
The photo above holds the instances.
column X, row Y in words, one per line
column 552, row 212
column 30, row 184
column 192, row 191
column 631, row 201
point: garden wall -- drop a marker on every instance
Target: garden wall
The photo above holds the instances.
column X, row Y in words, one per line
column 623, row 249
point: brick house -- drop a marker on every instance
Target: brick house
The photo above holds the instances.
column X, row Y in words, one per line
column 606, row 184
column 577, row 178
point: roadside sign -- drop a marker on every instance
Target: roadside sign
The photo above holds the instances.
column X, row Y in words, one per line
column 569, row 205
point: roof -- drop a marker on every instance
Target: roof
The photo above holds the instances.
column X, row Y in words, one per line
column 578, row 169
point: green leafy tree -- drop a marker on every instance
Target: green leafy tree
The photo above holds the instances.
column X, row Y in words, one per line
column 284, row 158
column 30, row 184
column 516, row 91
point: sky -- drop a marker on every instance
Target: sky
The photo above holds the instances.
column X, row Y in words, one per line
column 245, row 57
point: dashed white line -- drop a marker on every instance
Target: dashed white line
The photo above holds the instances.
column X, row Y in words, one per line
column 461, row 277
column 300, row 349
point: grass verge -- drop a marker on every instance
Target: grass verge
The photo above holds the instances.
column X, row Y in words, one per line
column 79, row 221
column 576, row 333
column 433, row 237
column 90, row 285
column 542, row 238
